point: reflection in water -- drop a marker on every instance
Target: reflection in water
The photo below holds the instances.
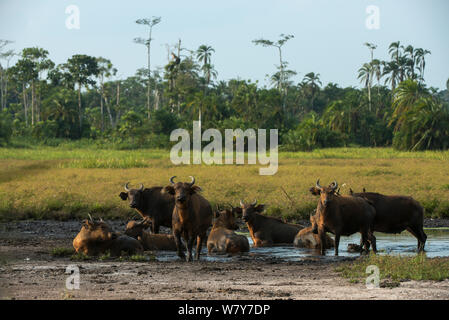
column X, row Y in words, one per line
column 437, row 245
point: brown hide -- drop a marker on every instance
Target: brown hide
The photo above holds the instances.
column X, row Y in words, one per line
column 222, row 238
column 343, row 215
column 307, row 239
column 152, row 204
column 395, row 214
column 148, row 240
column 267, row 231
column 192, row 216
column 97, row 238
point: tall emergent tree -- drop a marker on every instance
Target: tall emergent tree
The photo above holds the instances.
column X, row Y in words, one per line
column 150, row 22
column 4, row 55
column 105, row 70
column 278, row 44
column 80, row 69
column 203, row 54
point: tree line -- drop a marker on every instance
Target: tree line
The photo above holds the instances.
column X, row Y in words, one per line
column 84, row 98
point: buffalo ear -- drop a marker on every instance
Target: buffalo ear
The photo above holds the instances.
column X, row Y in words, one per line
column 123, row 195
column 259, row 208
column 195, row 189
column 315, row 191
column 217, row 214
column 169, row 190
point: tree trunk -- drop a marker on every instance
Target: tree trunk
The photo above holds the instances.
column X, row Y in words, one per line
column 25, row 103
column 32, row 103
column 79, row 109
column 101, row 108
column 118, row 113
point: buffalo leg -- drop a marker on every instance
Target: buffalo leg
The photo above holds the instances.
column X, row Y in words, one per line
column 179, row 245
column 190, row 242
column 199, row 245
column 419, row 234
column 322, row 235
column 372, row 240
column 336, row 242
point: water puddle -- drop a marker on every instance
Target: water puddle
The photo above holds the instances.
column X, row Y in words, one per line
column 437, row 245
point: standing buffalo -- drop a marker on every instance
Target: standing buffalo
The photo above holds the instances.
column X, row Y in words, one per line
column 96, row 237
column 266, row 231
column 395, row 214
column 192, row 216
column 150, row 241
column 222, row 238
column 342, row 215
column 151, row 204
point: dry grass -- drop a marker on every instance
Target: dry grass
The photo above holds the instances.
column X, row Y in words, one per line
column 35, row 186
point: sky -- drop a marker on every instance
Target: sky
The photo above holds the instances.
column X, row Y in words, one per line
column 328, row 34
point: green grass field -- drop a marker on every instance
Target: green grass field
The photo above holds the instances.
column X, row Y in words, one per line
column 67, row 183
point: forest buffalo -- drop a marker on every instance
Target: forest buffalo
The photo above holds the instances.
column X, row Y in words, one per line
column 266, row 231
column 342, row 215
column 192, row 216
column 152, row 204
column 307, row 239
column 149, row 241
column 395, row 214
column 222, row 238
column 96, row 237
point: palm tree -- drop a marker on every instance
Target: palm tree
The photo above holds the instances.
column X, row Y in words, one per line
column 203, row 54
column 371, row 47
column 377, row 71
column 421, row 61
column 406, row 96
column 366, row 76
column 391, row 73
column 313, row 81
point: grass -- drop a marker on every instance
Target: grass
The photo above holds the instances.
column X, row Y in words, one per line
column 62, row 252
column 397, row 268
column 68, row 183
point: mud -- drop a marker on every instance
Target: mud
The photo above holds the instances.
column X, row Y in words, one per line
column 29, row 271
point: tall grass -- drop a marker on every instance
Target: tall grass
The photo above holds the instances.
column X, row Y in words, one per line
column 65, row 184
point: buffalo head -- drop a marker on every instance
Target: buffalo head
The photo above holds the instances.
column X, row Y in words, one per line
column 248, row 210
column 135, row 196
column 182, row 191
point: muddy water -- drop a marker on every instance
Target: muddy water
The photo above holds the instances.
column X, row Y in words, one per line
column 437, row 245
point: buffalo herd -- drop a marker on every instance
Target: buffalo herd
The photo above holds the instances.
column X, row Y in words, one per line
column 181, row 207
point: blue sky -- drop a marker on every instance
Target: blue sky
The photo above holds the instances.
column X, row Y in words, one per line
column 329, row 34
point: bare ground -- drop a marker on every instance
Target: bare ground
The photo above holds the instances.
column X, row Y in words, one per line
column 28, row 271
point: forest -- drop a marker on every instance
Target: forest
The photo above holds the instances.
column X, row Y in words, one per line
column 82, row 101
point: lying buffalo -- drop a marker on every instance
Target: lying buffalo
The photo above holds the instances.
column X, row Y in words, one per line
column 152, row 204
column 395, row 214
column 342, row 215
column 307, row 239
column 149, row 241
column 192, row 216
column 266, row 231
column 96, row 238
column 222, row 238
